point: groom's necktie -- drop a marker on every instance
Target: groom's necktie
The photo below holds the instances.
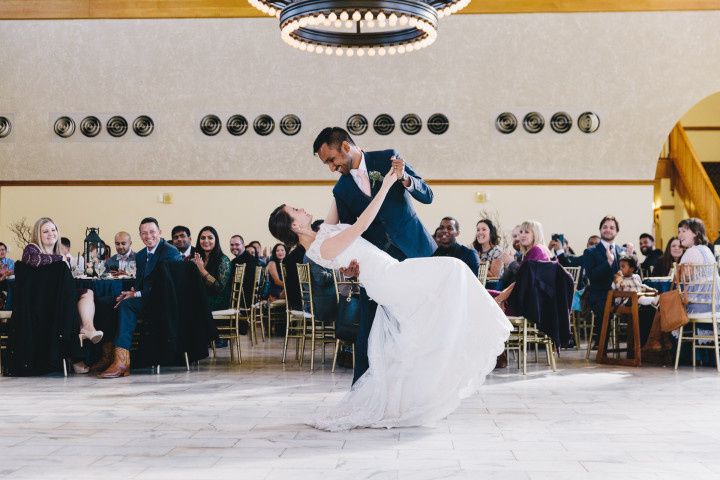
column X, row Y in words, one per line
column 364, row 182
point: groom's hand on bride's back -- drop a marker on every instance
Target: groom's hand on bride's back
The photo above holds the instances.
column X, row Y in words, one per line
column 352, row 270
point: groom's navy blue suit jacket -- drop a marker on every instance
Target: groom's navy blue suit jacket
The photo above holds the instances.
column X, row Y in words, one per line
column 397, row 224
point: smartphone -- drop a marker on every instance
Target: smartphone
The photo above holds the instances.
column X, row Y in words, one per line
column 560, row 237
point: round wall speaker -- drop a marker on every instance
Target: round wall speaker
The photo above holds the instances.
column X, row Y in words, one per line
column 561, row 122
column 210, row 125
column 143, row 126
column 384, row 124
column 90, row 126
column 411, row 124
column 5, row 127
column 357, row 124
column 588, row 122
column 506, row 123
column 290, row 124
column 237, row 125
column 438, row 124
column 264, row 125
column 116, row 126
column 533, row 122
column 64, row 127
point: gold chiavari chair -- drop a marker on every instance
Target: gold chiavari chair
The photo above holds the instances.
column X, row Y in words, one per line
column 699, row 283
column 483, row 272
column 251, row 309
column 350, row 287
column 4, row 317
column 314, row 329
column 294, row 326
column 228, row 320
column 575, row 274
column 524, row 334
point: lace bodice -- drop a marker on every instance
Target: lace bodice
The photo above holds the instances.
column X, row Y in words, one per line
column 373, row 261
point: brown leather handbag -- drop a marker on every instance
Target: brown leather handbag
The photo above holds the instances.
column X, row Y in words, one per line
column 671, row 308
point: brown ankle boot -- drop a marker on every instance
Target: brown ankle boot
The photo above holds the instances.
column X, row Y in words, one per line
column 120, row 367
column 106, row 358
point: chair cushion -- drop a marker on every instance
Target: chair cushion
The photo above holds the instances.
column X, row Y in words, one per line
column 5, row 314
column 299, row 313
column 702, row 316
column 226, row 312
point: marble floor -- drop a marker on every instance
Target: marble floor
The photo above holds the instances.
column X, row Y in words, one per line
column 227, row 421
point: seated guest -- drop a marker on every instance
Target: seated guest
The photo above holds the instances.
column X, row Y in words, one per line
column 511, row 259
column 7, row 266
column 627, row 280
column 532, row 240
column 67, row 253
column 44, row 249
column 123, row 247
column 275, row 273
column 435, row 235
column 243, row 256
column 214, row 267
column 446, row 239
column 324, row 300
column 673, row 253
column 692, row 236
column 486, row 245
column 652, row 254
column 182, row 240
column 259, row 253
column 130, row 303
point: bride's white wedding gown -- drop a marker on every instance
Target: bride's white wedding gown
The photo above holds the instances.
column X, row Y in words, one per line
column 434, row 339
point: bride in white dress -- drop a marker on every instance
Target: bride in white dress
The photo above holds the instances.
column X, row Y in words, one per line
column 436, row 334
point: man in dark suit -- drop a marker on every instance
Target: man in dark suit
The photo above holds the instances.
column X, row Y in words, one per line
column 130, row 303
column 182, row 240
column 396, row 229
column 243, row 257
column 446, row 236
column 601, row 263
column 652, row 254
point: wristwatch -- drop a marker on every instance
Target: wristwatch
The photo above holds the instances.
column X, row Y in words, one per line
column 403, row 178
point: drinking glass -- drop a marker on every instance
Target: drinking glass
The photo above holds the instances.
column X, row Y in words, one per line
column 131, row 268
column 100, row 268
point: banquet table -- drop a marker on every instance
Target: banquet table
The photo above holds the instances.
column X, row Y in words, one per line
column 661, row 284
column 101, row 287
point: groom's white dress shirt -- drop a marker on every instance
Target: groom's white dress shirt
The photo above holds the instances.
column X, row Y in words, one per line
column 363, row 167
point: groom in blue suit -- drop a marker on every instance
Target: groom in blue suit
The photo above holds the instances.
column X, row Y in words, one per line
column 396, row 229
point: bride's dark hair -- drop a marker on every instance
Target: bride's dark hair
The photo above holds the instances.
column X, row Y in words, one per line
column 280, row 225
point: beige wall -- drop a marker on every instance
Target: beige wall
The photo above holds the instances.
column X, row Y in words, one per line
column 705, row 114
column 639, row 71
column 572, row 210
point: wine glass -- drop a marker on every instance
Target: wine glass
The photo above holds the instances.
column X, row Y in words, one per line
column 131, row 268
column 100, row 269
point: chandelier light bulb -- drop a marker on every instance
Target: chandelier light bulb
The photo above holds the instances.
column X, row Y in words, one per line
column 344, row 16
column 356, row 16
column 332, row 17
column 401, row 49
column 338, row 23
column 392, row 51
column 339, row 51
column 381, row 51
column 403, row 20
column 349, row 24
column 360, row 52
column 392, row 20
column 370, row 23
column 349, row 52
column 369, row 16
column 371, row 52
column 328, row 50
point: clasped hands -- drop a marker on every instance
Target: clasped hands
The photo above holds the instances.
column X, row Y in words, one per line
column 124, row 296
column 398, row 167
column 352, row 270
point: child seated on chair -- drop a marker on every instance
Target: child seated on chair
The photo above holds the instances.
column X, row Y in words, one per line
column 627, row 280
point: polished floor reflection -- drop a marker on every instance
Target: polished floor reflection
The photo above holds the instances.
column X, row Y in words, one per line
column 227, row 421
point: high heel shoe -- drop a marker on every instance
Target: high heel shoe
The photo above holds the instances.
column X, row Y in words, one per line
column 80, row 368
column 93, row 335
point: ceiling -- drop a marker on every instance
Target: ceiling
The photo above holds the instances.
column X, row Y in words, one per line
column 89, row 9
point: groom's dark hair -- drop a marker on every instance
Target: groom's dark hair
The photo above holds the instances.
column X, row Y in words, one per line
column 333, row 136
column 280, row 225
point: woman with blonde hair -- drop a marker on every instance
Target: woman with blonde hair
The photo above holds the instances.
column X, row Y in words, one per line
column 44, row 249
column 532, row 247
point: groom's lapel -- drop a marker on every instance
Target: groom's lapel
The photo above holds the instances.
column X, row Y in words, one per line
column 352, row 192
column 371, row 165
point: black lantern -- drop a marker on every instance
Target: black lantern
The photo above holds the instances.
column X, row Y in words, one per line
column 94, row 245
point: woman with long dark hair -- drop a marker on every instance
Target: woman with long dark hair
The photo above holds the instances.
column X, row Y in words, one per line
column 486, row 244
column 673, row 253
column 214, row 267
column 277, row 290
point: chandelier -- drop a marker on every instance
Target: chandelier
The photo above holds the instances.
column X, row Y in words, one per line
column 359, row 27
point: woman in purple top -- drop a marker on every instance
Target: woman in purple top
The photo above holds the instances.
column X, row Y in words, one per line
column 532, row 247
column 44, row 249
